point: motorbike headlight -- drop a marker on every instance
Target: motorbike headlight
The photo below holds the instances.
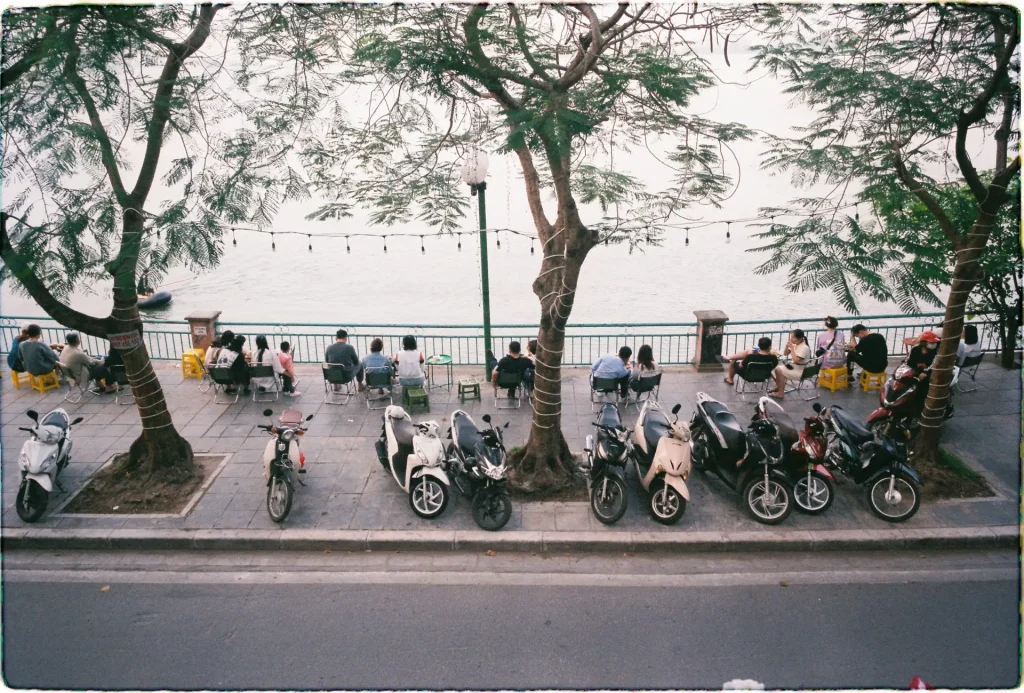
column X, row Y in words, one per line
column 281, row 447
column 496, row 473
column 52, row 457
column 288, row 435
column 23, row 460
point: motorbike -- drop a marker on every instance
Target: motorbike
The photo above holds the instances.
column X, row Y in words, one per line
column 880, row 465
column 814, row 487
column 478, row 466
column 750, row 460
column 661, row 454
column 43, row 457
column 414, row 455
column 606, row 465
column 279, row 458
column 901, row 401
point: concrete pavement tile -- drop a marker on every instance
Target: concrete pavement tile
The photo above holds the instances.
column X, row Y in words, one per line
column 234, row 519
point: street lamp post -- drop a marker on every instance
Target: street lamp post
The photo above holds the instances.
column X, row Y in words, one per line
column 474, row 174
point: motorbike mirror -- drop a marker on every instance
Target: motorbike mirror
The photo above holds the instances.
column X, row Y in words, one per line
column 817, row 408
column 32, row 414
column 309, row 418
column 268, row 412
column 675, row 409
column 77, row 421
column 487, row 418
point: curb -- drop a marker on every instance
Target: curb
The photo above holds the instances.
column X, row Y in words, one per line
column 1001, row 536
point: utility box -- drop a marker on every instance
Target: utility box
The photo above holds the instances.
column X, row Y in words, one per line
column 710, row 332
column 201, row 327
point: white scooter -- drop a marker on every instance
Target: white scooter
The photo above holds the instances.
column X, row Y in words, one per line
column 413, row 454
column 43, row 457
column 661, row 453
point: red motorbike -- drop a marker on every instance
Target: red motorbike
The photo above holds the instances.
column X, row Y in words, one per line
column 902, row 400
column 814, row 486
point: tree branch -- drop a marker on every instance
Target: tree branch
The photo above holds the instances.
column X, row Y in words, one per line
column 26, row 276
column 176, row 56
column 142, row 31
column 533, row 196
column 926, row 198
column 521, row 38
column 33, row 56
column 582, row 62
column 492, row 73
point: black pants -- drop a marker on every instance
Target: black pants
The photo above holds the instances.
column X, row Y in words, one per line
column 855, row 358
column 99, row 373
column 623, row 385
column 287, row 385
column 240, row 373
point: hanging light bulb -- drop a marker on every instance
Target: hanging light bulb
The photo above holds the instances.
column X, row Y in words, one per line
column 728, row 233
column 856, row 215
column 158, row 234
column 460, row 241
column 687, row 236
column 347, row 248
column 498, row 236
column 531, row 246
column 385, row 244
column 422, row 249
column 648, row 234
column 233, row 241
column 273, row 243
column 310, row 239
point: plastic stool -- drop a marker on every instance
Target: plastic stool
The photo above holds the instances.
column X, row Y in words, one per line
column 18, row 377
column 469, row 389
column 42, row 383
column 872, row 381
column 192, row 363
column 415, row 396
column 834, row 378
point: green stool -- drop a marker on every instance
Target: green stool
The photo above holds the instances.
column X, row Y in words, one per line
column 415, row 396
column 469, row 388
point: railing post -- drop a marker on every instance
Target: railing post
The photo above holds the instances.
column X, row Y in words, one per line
column 201, row 326
column 710, row 330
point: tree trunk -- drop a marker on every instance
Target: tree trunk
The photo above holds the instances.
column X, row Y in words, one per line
column 1009, row 324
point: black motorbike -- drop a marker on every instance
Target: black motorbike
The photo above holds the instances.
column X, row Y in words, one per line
column 606, row 465
column 477, row 465
column 750, row 461
column 879, row 464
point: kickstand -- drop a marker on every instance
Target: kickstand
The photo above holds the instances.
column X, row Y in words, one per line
column 62, row 490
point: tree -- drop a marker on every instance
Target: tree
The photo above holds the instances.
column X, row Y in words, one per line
column 894, row 88
column 560, row 87
column 89, row 92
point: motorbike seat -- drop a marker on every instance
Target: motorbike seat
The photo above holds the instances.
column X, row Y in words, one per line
column 851, row 426
column 723, row 419
column 656, row 427
column 609, row 416
column 55, row 419
column 404, row 430
column 467, row 434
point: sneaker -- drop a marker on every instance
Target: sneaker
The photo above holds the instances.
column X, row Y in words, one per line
column 293, row 393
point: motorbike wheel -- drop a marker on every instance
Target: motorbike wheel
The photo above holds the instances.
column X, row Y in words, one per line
column 428, row 497
column 610, row 508
column 698, row 451
column 492, row 510
column 813, row 493
column 770, row 505
column 665, row 503
column 894, row 498
column 31, row 501
column 879, row 428
column 279, row 499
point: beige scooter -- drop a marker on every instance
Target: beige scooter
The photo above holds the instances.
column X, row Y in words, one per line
column 661, row 453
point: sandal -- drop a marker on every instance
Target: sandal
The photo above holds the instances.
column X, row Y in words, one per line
column 729, row 382
column 775, row 396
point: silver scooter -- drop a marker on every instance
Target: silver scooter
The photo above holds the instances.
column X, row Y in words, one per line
column 414, row 455
column 43, row 457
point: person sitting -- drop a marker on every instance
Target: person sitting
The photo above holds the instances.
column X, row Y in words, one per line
column 868, row 350
column 514, row 362
column 232, row 356
column 78, row 362
column 112, row 360
column 376, row 361
column 922, row 356
column 409, row 364
column 14, row 361
column 288, row 379
column 492, row 362
column 344, row 354
column 614, row 367
column 529, row 374
column 644, row 367
column 969, row 345
column 738, row 363
column 829, row 347
column 264, row 356
column 37, row 357
column 210, row 358
column 800, row 355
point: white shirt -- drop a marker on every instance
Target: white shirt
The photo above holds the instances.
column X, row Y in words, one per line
column 409, row 364
column 269, row 359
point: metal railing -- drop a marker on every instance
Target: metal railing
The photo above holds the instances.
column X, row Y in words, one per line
column 672, row 343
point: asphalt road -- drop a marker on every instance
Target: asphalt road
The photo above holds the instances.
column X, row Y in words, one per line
column 284, row 629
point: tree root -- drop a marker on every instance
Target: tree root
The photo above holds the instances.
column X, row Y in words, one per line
column 544, row 472
column 169, row 460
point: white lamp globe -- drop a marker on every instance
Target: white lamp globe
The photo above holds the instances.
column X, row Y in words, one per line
column 474, row 171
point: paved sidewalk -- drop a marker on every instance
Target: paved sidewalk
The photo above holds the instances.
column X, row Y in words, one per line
column 346, row 489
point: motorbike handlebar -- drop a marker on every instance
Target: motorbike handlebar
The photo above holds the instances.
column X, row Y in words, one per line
column 27, row 430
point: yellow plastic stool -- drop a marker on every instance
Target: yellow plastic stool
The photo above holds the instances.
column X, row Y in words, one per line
column 834, row 378
column 42, row 383
column 872, row 381
column 192, row 363
column 18, row 377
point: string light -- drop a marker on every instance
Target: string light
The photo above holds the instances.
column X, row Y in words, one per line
column 385, row 244
column 531, row 246
column 728, row 234
column 498, row 236
column 310, row 239
column 347, row 248
column 460, row 243
column 233, row 241
column 273, row 243
column 856, row 216
column 687, row 236
column 648, row 234
column 422, row 248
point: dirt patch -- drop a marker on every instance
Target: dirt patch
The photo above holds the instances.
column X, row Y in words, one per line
column 576, row 491
column 949, row 477
column 116, row 493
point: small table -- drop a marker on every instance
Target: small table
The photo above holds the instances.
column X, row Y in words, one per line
column 909, row 343
column 442, row 361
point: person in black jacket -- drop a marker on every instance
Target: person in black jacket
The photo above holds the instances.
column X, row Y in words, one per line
column 868, row 350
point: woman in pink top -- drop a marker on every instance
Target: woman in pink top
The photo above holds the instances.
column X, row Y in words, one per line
column 288, row 379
